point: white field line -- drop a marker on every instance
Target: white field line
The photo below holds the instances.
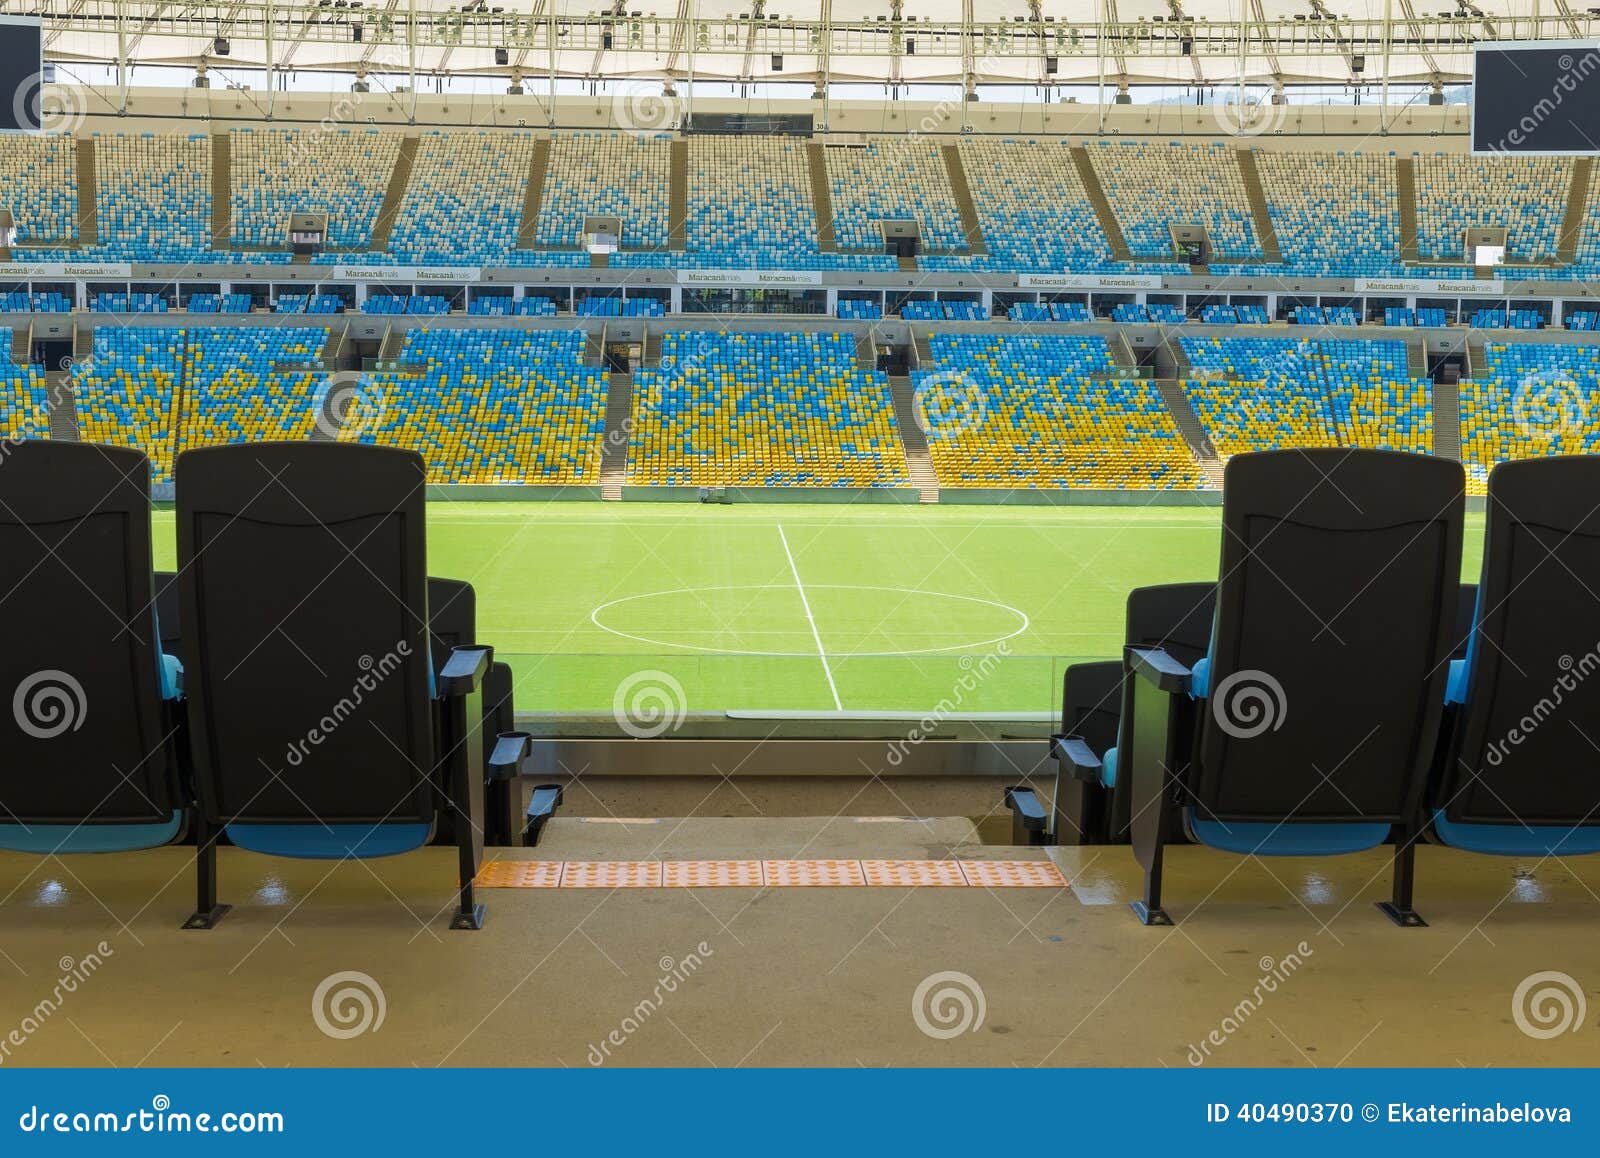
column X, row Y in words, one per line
column 822, row 653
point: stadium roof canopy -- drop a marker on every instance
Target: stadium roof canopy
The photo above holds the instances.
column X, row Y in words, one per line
column 975, row 42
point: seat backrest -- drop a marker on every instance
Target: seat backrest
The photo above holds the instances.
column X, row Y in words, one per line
column 82, row 734
column 1466, row 611
column 303, row 583
column 168, row 621
column 1174, row 616
column 1523, row 749
column 1336, row 597
column 452, row 617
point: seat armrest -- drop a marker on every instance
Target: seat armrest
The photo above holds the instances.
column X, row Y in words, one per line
column 1155, row 666
column 464, row 671
column 1076, row 757
column 512, row 756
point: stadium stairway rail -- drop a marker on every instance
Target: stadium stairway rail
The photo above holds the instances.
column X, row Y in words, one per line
column 922, row 350
column 63, row 405
column 221, row 191
column 394, row 340
column 1194, row 434
column 1447, row 420
column 1577, row 210
column 88, row 216
column 619, row 433
column 533, row 198
column 594, row 347
column 399, row 181
column 22, row 343
column 678, row 197
column 1405, row 191
column 970, row 224
column 1417, row 357
column 652, row 350
column 919, row 464
column 1266, row 234
column 1102, row 207
column 822, row 197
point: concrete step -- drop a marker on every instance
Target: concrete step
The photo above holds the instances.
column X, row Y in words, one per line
column 1405, row 190
column 678, row 198
column 919, row 465
column 970, row 224
column 221, row 191
column 822, row 197
column 63, row 406
column 1577, row 209
column 88, row 186
column 22, row 343
column 1266, row 233
column 614, row 448
column 1416, row 358
column 594, row 348
column 533, row 197
column 1102, row 207
column 1194, row 434
column 1446, row 421
column 399, row 181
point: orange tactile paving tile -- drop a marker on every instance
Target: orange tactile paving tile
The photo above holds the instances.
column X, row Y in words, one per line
column 520, row 874
column 612, row 874
column 931, row 873
column 782, row 874
column 1013, row 874
column 754, row 874
column 712, row 874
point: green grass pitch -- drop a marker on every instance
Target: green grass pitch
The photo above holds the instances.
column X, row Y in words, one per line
column 807, row 608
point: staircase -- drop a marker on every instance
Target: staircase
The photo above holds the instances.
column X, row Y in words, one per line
column 333, row 348
column 399, row 179
column 394, row 340
column 1102, row 207
column 678, row 198
column 1266, row 234
column 1577, row 210
column 1447, row 420
column 1405, row 189
column 915, row 440
column 907, row 262
column 652, row 350
column 22, row 344
column 330, row 418
column 922, row 350
column 866, row 351
column 88, row 184
column 970, row 224
column 822, row 197
column 63, row 406
column 619, row 423
column 533, row 198
column 1416, row 358
column 221, row 191
column 594, row 347
column 1194, row 434
column 599, row 261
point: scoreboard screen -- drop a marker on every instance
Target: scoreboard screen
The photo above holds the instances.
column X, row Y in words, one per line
column 21, row 73
column 752, row 124
column 1536, row 97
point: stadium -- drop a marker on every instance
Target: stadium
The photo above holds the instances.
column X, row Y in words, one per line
column 1003, row 536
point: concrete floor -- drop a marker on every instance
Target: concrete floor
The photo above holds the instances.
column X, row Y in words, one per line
column 795, row 976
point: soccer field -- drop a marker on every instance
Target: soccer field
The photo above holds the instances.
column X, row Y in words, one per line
column 707, row 609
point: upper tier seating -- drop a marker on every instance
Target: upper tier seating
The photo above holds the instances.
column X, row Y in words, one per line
column 1032, row 206
column 859, row 309
column 763, row 409
column 1529, row 400
column 342, row 174
column 152, row 197
column 1498, row 319
column 423, row 304
column 308, row 304
column 1333, row 211
column 1154, row 184
column 127, row 392
column 463, row 205
column 24, row 398
column 597, row 306
column 1526, row 196
column 121, row 303
column 234, row 391
column 491, row 406
column 235, row 303
column 1040, row 411
column 620, row 175
column 50, row 302
column 39, row 185
column 893, row 178
column 750, row 204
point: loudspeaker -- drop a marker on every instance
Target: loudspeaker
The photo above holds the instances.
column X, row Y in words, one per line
column 1358, row 64
column 777, row 62
column 221, row 47
column 1186, row 46
column 501, row 56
